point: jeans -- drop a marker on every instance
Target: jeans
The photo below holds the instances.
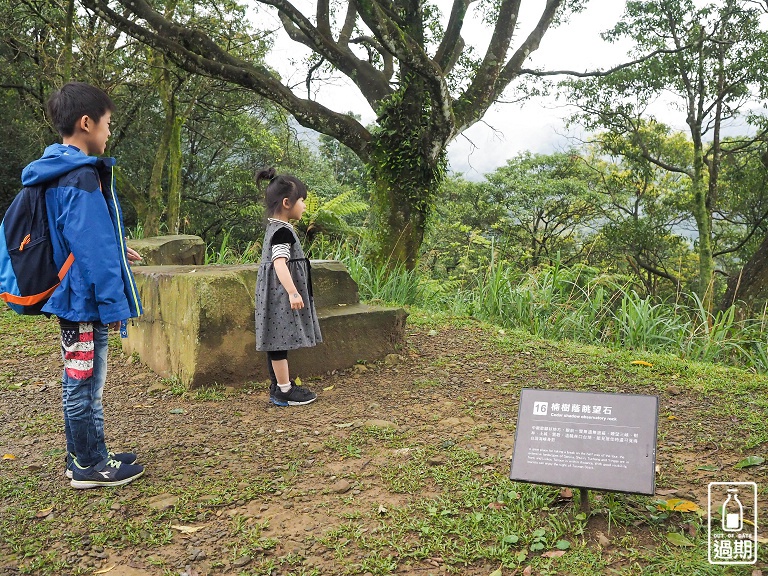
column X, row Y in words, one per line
column 84, row 348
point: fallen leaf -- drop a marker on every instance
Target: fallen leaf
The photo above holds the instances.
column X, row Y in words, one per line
column 678, row 505
column 757, row 573
column 750, row 461
column 328, row 388
column 496, row 573
column 602, row 540
column 527, row 571
column 666, row 491
column 345, row 425
column 105, row 570
column 9, row 457
column 641, row 363
column 382, row 510
column 762, row 540
column 709, row 467
column 566, row 493
column 143, row 405
column 553, row 554
column 497, row 505
column 177, row 411
column 44, row 513
column 187, row 529
column 671, row 417
column 678, row 539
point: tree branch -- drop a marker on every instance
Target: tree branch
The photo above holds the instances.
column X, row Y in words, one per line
column 445, row 56
column 389, row 63
column 372, row 82
column 195, row 52
column 655, row 271
column 755, row 228
column 349, row 24
column 323, row 21
column 600, row 73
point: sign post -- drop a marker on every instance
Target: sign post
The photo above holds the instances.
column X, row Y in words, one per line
column 586, row 440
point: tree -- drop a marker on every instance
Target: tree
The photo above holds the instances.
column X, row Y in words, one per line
column 418, row 77
column 550, row 204
column 711, row 61
column 745, row 180
column 641, row 219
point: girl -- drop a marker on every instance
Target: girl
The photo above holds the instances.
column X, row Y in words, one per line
column 285, row 311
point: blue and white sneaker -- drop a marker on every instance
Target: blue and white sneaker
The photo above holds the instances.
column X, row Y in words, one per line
column 272, row 398
column 108, row 473
column 124, row 457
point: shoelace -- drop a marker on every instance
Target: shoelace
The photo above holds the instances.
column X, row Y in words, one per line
column 114, row 463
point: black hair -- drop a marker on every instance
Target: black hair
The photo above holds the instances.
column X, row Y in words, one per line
column 73, row 101
column 280, row 186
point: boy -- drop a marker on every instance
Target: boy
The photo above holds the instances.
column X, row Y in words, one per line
column 99, row 290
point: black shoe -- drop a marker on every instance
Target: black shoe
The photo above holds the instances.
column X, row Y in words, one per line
column 296, row 396
column 272, row 398
column 110, row 473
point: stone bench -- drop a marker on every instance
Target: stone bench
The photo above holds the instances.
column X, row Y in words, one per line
column 176, row 249
column 198, row 324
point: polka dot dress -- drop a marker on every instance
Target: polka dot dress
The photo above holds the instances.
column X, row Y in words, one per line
column 278, row 327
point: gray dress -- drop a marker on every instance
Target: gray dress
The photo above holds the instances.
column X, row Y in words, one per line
column 278, row 327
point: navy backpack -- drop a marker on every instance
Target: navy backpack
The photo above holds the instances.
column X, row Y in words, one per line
column 28, row 274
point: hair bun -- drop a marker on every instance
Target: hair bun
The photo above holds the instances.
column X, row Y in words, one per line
column 266, row 174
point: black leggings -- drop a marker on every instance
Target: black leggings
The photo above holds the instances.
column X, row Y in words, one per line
column 275, row 355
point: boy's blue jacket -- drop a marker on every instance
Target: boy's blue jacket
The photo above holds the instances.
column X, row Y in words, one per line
column 85, row 218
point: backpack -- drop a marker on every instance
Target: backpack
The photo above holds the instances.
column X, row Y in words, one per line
column 28, row 274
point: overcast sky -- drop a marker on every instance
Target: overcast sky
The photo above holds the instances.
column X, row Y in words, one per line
column 507, row 129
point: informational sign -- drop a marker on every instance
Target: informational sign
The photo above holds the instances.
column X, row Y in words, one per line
column 586, row 440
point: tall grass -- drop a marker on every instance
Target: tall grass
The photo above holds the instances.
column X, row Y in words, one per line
column 578, row 303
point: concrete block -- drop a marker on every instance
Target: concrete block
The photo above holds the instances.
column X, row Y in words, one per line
column 170, row 250
column 198, row 324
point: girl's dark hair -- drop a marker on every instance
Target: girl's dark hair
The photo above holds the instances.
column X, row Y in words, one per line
column 280, row 186
column 73, row 101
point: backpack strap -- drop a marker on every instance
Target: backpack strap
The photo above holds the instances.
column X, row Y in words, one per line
column 65, row 267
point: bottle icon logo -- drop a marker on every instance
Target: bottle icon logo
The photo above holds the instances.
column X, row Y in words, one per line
column 732, row 512
column 732, row 523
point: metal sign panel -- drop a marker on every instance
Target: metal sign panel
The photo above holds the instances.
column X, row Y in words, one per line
column 586, row 440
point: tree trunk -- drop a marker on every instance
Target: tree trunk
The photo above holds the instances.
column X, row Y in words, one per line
column 704, row 226
column 155, row 198
column 66, row 67
column 751, row 283
column 173, row 215
column 407, row 166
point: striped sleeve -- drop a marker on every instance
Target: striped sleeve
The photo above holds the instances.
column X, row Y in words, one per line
column 281, row 251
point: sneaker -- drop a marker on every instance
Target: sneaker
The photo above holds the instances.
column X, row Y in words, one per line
column 296, row 396
column 110, row 473
column 274, row 399
column 124, row 457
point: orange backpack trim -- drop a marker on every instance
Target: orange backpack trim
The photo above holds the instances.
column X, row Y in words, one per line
column 35, row 298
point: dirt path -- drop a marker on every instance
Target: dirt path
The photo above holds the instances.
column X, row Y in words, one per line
column 234, row 469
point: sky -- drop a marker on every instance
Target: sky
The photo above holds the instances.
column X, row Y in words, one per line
column 507, row 129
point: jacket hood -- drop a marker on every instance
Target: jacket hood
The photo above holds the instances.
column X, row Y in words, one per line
column 57, row 160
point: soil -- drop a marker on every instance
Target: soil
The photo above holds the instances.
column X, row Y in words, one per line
column 446, row 385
